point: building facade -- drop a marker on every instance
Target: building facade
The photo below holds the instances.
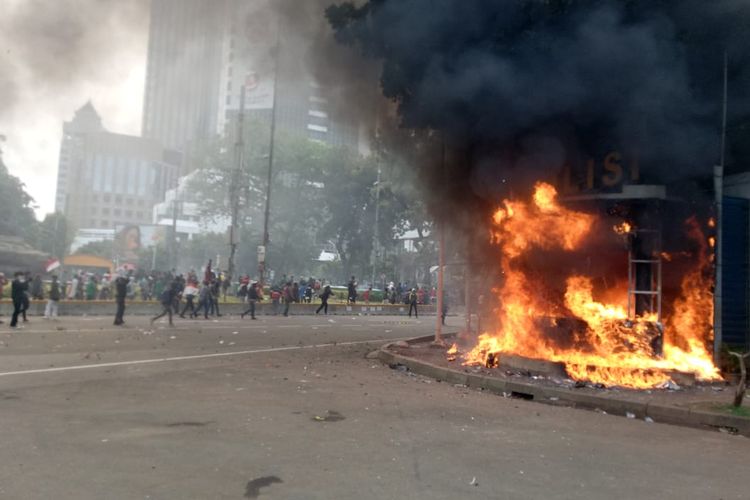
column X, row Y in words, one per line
column 181, row 210
column 202, row 53
column 107, row 179
column 186, row 38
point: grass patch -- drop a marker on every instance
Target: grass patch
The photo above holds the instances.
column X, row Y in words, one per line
column 742, row 411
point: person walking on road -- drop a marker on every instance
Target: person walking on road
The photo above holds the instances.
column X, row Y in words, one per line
column 18, row 289
column 324, row 298
column 252, row 298
column 189, row 293
column 413, row 303
column 121, row 291
column 53, row 299
column 204, row 301
column 167, row 300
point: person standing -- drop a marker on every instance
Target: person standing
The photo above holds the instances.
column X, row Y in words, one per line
column 215, row 295
column 53, row 300
column 352, row 291
column 121, row 292
column 3, row 282
column 288, row 297
column 91, row 288
column 189, row 294
column 26, row 299
column 413, row 303
column 18, row 289
column 167, row 301
column 37, row 288
column 252, row 298
column 275, row 301
column 73, row 287
column 324, row 300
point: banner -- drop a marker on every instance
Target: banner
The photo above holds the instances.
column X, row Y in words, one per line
column 132, row 238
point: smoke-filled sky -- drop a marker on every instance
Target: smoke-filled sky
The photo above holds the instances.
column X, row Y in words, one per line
column 56, row 55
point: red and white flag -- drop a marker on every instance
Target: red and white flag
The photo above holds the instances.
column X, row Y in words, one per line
column 52, row 264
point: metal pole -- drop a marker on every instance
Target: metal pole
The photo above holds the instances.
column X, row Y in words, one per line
column 467, row 297
column 267, row 213
column 719, row 193
column 174, row 227
column 375, row 229
column 441, row 286
column 239, row 152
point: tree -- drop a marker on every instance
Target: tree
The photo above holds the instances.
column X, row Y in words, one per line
column 102, row 249
column 55, row 235
column 16, row 207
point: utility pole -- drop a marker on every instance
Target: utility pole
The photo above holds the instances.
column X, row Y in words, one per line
column 375, row 241
column 719, row 193
column 239, row 153
column 441, row 264
column 175, row 210
column 267, row 213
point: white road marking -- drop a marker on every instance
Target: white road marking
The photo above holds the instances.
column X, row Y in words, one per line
column 181, row 328
column 188, row 358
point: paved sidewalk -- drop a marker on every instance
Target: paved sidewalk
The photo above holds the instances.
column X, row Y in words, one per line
column 703, row 405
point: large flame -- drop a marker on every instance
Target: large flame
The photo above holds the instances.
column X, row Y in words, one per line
column 603, row 345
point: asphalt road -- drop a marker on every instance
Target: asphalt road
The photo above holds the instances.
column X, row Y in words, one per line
column 290, row 408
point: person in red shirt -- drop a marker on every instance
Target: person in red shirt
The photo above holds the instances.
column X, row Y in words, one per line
column 366, row 295
column 275, row 299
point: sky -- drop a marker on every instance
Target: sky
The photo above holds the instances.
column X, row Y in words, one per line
column 55, row 56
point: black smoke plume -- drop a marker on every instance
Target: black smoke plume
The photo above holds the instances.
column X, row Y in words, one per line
column 520, row 88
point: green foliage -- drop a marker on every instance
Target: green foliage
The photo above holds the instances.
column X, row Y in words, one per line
column 16, row 207
column 55, row 235
column 102, row 249
column 320, row 196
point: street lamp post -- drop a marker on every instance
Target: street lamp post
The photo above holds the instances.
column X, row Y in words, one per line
column 262, row 249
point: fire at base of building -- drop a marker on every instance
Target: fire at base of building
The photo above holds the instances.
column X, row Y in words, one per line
column 621, row 299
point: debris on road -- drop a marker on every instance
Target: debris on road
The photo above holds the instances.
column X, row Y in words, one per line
column 630, row 415
column 330, row 416
column 474, row 482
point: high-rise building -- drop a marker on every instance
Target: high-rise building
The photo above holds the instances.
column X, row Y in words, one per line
column 186, row 39
column 203, row 52
column 106, row 179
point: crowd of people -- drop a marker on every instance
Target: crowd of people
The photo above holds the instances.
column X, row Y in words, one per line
column 198, row 296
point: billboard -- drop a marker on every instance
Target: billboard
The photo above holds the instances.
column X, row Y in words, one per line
column 129, row 239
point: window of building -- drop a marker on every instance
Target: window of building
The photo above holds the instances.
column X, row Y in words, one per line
column 317, row 128
column 105, row 211
column 139, row 215
column 95, row 198
column 129, row 214
column 107, row 198
column 129, row 201
column 132, row 177
column 105, row 223
column 118, row 200
column 117, row 212
column 109, row 175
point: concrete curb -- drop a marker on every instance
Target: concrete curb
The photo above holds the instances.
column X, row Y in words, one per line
column 669, row 414
column 72, row 308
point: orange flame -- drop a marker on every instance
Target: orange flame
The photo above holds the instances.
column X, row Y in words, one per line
column 604, row 345
column 624, row 228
